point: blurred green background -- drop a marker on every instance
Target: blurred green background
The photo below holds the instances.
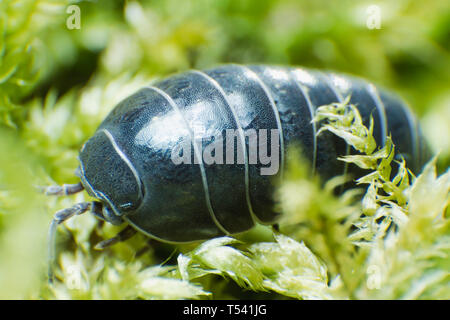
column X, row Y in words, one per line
column 58, row 83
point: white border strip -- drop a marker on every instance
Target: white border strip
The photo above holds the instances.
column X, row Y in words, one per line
column 304, row 91
column 242, row 137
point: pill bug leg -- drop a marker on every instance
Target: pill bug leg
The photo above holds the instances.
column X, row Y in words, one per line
column 159, row 251
column 123, row 235
column 64, row 190
column 150, row 243
column 58, row 218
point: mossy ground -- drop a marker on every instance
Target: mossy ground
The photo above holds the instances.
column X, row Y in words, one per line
column 389, row 240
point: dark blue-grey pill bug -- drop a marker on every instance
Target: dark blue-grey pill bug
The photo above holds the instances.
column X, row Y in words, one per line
column 128, row 164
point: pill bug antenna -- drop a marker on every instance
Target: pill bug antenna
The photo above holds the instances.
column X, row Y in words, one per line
column 150, row 243
column 59, row 218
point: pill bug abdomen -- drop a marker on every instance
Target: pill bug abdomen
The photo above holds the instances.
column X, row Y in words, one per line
column 225, row 113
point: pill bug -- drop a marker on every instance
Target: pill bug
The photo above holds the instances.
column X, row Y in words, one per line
column 128, row 164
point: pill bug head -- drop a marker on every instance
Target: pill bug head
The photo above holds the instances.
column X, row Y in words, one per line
column 108, row 175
